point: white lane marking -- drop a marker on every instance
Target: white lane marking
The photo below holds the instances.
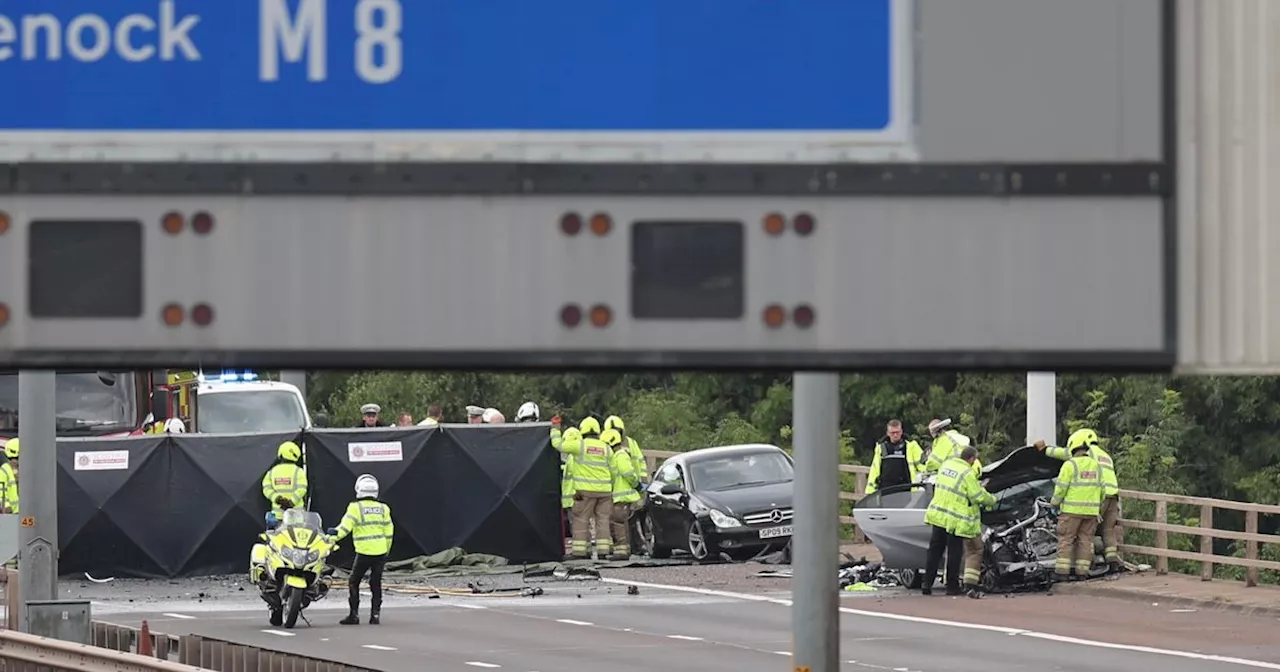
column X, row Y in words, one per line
column 685, row 637
column 464, row 605
column 379, row 647
column 786, row 653
column 476, row 663
column 171, row 615
column 280, row 633
column 970, row 626
column 570, row 621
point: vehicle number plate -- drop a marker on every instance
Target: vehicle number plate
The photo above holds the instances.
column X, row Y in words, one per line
column 775, row 532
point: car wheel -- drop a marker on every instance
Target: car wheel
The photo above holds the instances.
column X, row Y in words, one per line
column 656, row 550
column 697, row 543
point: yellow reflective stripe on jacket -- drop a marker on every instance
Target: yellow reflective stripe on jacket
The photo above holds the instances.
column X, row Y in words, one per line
column 957, row 499
column 624, row 478
column 368, row 521
column 1079, row 488
column 913, row 454
column 638, row 460
column 567, row 487
column 592, row 468
column 9, row 484
column 1110, row 483
column 285, row 479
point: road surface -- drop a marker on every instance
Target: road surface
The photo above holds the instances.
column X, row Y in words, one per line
column 598, row 625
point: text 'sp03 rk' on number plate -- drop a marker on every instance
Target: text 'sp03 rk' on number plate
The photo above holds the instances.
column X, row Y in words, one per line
column 775, row 532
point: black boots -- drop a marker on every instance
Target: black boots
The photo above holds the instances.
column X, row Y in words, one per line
column 277, row 618
column 375, row 618
column 351, row 619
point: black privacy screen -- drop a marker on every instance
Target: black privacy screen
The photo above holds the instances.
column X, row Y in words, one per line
column 687, row 270
column 84, row 269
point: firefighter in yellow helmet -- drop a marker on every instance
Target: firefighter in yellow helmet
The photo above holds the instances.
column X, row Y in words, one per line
column 592, row 473
column 632, row 447
column 1109, row 527
column 1078, row 493
column 568, row 491
column 286, row 478
column 626, row 497
column 9, row 477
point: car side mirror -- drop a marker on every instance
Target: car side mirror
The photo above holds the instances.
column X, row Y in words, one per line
column 671, row 489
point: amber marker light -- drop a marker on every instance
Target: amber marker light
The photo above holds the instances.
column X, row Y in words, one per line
column 571, row 224
column 804, row 224
column 601, row 224
column 803, row 316
column 4, row 314
column 172, row 223
column 202, row 314
column 172, row 315
column 571, row 316
column 4, row 223
column 775, row 224
column 202, row 223
column 774, row 316
column 601, row 316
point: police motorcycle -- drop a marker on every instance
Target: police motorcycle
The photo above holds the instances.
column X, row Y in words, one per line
column 289, row 564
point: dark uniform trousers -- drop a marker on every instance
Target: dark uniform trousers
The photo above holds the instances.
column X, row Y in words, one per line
column 961, row 551
column 371, row 565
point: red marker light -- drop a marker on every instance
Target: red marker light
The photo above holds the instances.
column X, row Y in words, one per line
column 804, row 224
column 202, row 314
column 202, row 223
column 571, row 316
column 774, row 316
column 803, row 316
column 571, row 224
column 172, row 315
column 601, row 316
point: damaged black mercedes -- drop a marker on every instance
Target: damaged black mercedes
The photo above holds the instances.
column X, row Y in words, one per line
column 1020, row 538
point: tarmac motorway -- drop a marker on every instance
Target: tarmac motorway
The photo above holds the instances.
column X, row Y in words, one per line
column 598, row 625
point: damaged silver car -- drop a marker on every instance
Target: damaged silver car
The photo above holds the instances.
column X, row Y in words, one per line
column 1019, row 533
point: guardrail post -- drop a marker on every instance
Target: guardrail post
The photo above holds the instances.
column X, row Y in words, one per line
column 1206, row 541
column 859, row 487
column 1162, row 536
column 1251, row 548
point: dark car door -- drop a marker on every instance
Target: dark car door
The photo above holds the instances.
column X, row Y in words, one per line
column 667, row 511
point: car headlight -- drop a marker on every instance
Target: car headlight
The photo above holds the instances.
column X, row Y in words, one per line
column 721, row 520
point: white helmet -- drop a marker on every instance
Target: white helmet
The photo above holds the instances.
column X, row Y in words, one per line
column 175, row 426
column 366, row 486
column 528, row 412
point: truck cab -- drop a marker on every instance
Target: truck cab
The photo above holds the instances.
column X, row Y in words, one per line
column 239, row 402
column 88, row 403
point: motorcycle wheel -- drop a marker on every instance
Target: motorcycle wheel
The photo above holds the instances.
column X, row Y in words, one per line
column 293, row 606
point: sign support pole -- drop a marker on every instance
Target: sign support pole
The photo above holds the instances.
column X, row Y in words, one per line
column 815, row 614
column 37, row 490
column 297, row 379
column 1042, row 407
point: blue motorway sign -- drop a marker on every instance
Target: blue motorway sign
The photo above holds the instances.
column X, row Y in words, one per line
column 454, row 66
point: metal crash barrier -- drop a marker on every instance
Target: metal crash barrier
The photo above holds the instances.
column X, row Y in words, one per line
column 207, row 653
column 20, row 652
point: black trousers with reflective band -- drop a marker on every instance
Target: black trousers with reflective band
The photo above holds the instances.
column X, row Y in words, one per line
column 371, row 565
